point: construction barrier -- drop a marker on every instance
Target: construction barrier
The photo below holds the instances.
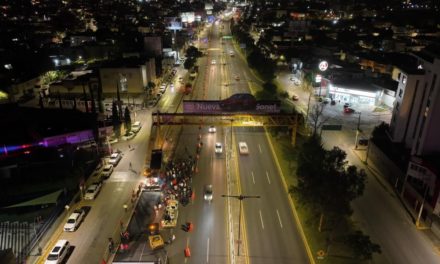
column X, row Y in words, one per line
column 187, row 252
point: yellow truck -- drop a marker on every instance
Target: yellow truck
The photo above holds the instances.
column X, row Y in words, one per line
column 154, row 238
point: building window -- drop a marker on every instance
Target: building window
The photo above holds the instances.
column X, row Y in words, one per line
column 400, row 92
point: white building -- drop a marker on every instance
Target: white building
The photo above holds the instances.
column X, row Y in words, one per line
column 417, row 107
column 415, row 123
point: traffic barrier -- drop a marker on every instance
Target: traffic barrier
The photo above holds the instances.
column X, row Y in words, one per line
column 187, row 252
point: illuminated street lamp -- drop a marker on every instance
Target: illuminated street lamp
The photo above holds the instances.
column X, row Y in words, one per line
column 240, row 198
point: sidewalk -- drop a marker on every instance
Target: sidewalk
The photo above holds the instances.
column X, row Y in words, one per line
column 372, row 168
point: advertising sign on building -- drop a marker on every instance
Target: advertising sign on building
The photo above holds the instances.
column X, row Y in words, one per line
column 187, row 17
column 323, row 65
column 173, row 23
column 208, row 6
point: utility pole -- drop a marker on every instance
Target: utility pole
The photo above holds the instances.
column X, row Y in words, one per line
column 240, row 198
column 358, row 130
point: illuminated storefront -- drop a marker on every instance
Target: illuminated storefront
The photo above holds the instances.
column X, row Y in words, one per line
column 353, row 94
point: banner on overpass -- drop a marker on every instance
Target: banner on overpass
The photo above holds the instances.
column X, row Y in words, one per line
column 240, row 103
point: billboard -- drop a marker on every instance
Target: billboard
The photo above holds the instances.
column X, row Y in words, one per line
column 187, row 17
column 237, row 103
column 208, row 6
column 173, row 23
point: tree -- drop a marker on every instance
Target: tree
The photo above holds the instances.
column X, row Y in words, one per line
column 317, row 117
column 324, row 181
column 149, row 89
column 270, row 87
column 362, row 246
column 127, row 120
column 116, row 120
column 189, row 63
column 380, row 131
column 193, row 52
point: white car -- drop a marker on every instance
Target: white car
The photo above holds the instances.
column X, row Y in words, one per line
column 74, row 220
column 231, row 53
column 93, row 191
column 115, row 158
column 112, row 140
column 59, row 252
column 243, row 148
column 207, row 193
column 218, row 147
column 213, row 62
column 212, row 129
column 136, row 126
column 129, row 135
column 107, row 171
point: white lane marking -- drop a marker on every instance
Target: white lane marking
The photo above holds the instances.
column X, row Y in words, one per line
column 260, row 148
column 261, row 218
column 207, row 252
column 253, row 178
column 267, row 175
column 279, row 219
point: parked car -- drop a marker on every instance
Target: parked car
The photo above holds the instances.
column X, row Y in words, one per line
column 212, row 129
column 207, row 192
column 58, row 253
column 74, row 220
column 129, row 135
column 231, row 53
column 112, row 140
column 115, row 158
column 237, row 78
column 213, row 62
column 136, row 126
column 243, row 148
column 93, row 191
column 326, row 100
column 107, row 171
column 218, row 148
column 162, row 89
column 363, row 142
column 348, row 110
column 347, row 105
column 333, row 102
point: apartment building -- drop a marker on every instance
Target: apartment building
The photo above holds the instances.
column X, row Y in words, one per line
column 415, row 123
column 417, row 107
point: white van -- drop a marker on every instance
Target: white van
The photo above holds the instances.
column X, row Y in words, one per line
column 58, row 253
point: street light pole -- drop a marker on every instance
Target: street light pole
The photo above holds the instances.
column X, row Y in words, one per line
column 240, row 198
column 232, row 120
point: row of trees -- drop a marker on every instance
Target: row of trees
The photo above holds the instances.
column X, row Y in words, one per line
column 328, row 185
column 256, row 59
column 192, row 53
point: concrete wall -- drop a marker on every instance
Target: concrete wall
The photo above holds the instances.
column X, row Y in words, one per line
column 386, row 166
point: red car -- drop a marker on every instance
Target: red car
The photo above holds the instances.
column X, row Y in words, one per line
column 348, row 110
